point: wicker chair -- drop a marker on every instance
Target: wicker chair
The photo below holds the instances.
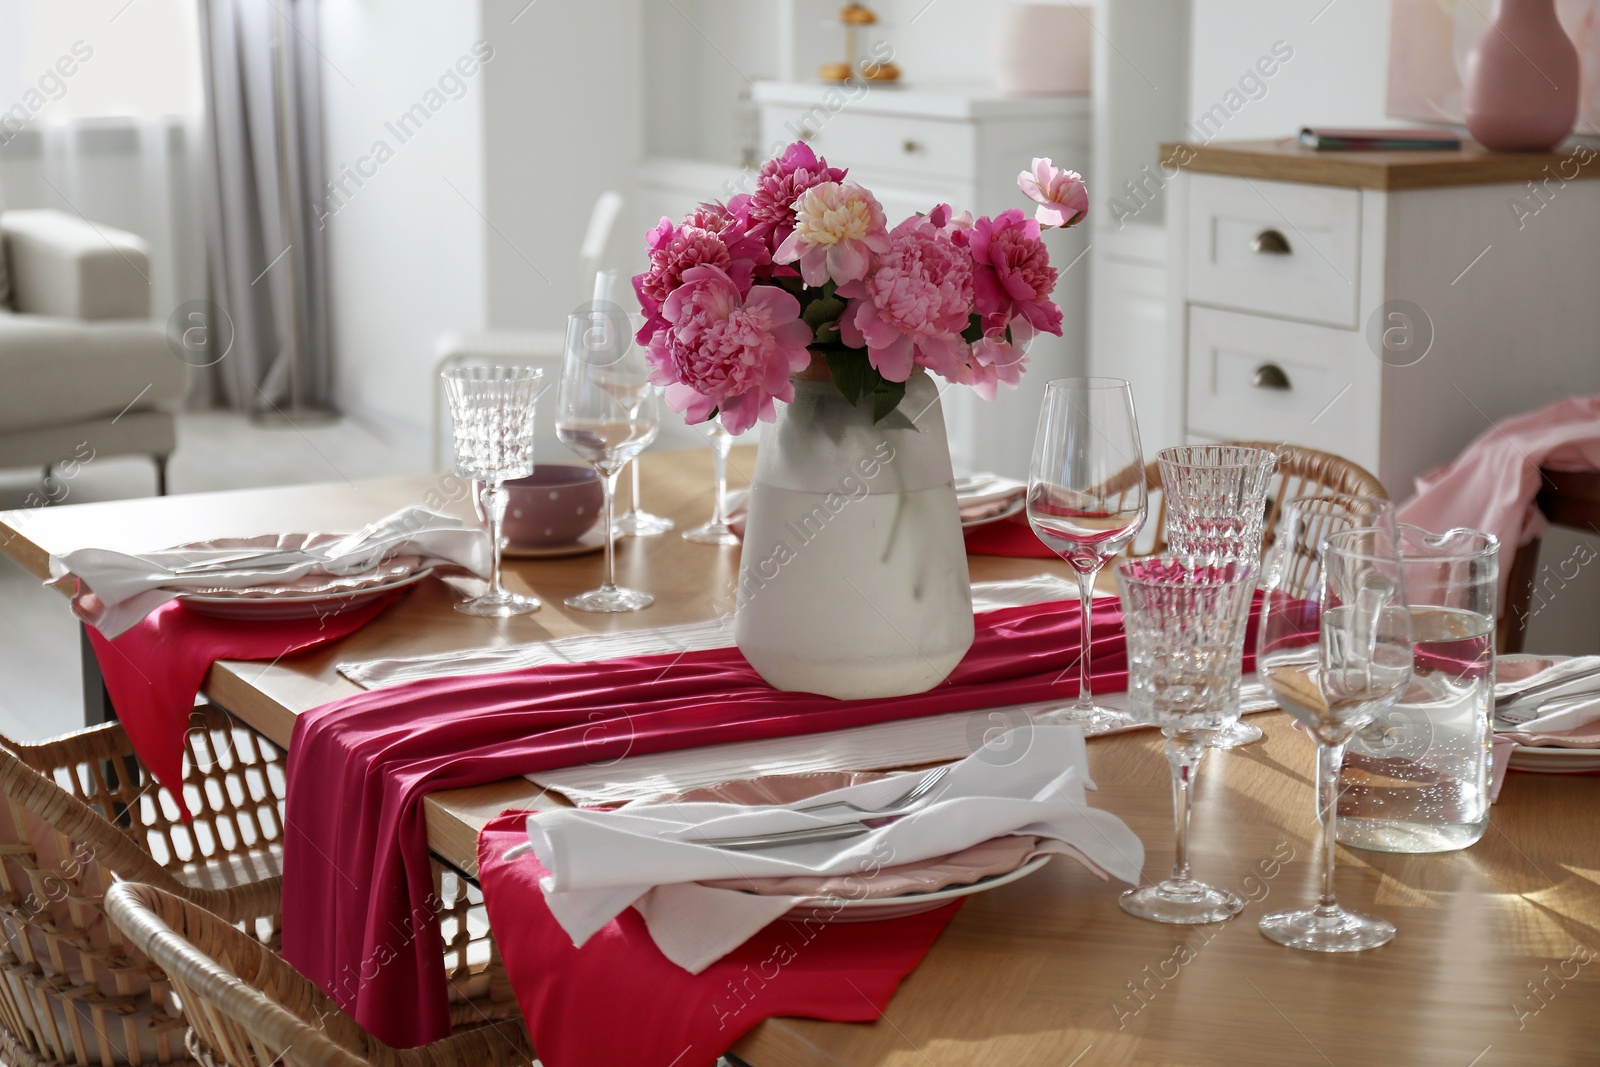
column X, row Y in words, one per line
column 1301, row 472
column 247, row 1008
column 81, row 810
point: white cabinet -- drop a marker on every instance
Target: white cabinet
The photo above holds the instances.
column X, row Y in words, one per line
column 916, row 147
column 1387, row 307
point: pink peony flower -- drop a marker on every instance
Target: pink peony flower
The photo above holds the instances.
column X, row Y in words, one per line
column 1012, row 275
column 779, row 185
column 726, row 351
column 914, row 305
column 713, row 235
column 992, row 360
column 1062, row 197
column 838, row 227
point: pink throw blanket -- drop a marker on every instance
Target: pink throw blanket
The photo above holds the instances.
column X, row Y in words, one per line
column 1491, row 486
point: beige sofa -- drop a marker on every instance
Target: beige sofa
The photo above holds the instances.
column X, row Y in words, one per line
column 83, row 370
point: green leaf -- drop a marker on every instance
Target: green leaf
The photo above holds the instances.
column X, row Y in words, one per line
column 828, row 331
column 822, row 311
column 850, row 370
column 974, row 331
column 886, row 398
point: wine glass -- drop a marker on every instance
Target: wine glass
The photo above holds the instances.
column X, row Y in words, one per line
column 606, row 414
column 637, row 522
column 1362, row 665
column 1185, row 621
column 491, row 412
column 1086, row 500
column 716, row 531
column 1216, row 508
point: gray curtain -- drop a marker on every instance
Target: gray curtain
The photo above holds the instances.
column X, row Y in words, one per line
column 267, row 256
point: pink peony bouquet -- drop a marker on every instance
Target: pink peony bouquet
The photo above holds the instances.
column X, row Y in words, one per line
column 806, row 273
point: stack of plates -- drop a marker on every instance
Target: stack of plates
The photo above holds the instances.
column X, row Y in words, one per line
column 888, row 892
column 1550, row 760
column 317, row 594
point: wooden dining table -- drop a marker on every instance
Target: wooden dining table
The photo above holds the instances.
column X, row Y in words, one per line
column 1497, row 959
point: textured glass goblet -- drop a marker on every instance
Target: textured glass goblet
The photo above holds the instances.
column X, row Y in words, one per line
column 491, row 412
column 1216, row 498
column 1185, row 623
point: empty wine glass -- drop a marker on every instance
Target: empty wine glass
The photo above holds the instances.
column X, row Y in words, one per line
column 1086, row 500
column 606, row 414
column 637, row 522
column 1216, row 509
column 1363, row 665
column 1185, row 620
column 491, row 411
column 716, row 531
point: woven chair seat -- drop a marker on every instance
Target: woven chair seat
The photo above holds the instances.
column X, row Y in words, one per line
column 247, row 1008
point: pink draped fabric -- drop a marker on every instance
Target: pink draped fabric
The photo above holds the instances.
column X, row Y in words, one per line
column 154, row 671
column 358, row 889
column 618, row 1000
column 1491, row 486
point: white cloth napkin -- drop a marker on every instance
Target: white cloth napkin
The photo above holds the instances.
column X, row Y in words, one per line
column 1562, row 707
column 127, row 587
column 1029, row 781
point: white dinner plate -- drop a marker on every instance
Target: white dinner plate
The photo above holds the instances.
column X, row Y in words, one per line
column 841, row 910
column 285, row 606
column 1549, row 758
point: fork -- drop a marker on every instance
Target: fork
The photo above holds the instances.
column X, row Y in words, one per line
column 920, row 789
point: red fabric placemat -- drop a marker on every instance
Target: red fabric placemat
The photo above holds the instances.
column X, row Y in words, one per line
column 618, row 1000
column 1007, row 537
column 154, row 671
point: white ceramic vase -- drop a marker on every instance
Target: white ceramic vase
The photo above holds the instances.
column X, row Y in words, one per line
column 853, row 575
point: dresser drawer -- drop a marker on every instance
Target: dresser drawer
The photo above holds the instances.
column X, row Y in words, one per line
column 929, row 149
column 1256, row 378
column 1275, row 247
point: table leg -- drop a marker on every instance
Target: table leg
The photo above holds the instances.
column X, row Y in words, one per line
column 96, row 701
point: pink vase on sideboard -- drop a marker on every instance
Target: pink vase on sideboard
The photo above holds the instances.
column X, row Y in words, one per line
column 1521, row 80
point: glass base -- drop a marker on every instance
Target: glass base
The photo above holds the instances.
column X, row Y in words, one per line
column 499, row 605
column 1240, row 733
column 1181, row 901
column 1095, row 719
column 636, row 523
column 712, row 533
column 1333, row 930
column 613, row 599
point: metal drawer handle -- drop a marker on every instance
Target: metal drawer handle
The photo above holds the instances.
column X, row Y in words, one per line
column 1270, row 376
column 911, row 147
column 805, row 133
column 1270, row 243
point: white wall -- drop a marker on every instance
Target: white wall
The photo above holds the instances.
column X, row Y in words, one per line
column 1338, row 74
column 407, row 246
column 562, row 123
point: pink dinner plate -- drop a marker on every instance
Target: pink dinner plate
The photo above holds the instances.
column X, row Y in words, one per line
column 889, row 892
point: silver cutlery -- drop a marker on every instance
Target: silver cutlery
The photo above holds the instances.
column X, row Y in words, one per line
column 1543, row 687
column 919, row 789
column 907, row 804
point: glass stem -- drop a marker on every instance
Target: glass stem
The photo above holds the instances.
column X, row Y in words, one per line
column 495, row 498
column 1329, row 760
column 609, row 481
column 1184, row 752
column 633, row 501
column 1085, row 638
column 719, row 454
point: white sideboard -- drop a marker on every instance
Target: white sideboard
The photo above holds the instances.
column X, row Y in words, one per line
column 1387, row 307
column 919, row 146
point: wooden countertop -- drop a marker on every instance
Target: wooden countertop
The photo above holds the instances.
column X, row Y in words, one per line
column 1287, row 161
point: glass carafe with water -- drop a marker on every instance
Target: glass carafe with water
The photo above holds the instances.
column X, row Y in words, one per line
column 1417, row 778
